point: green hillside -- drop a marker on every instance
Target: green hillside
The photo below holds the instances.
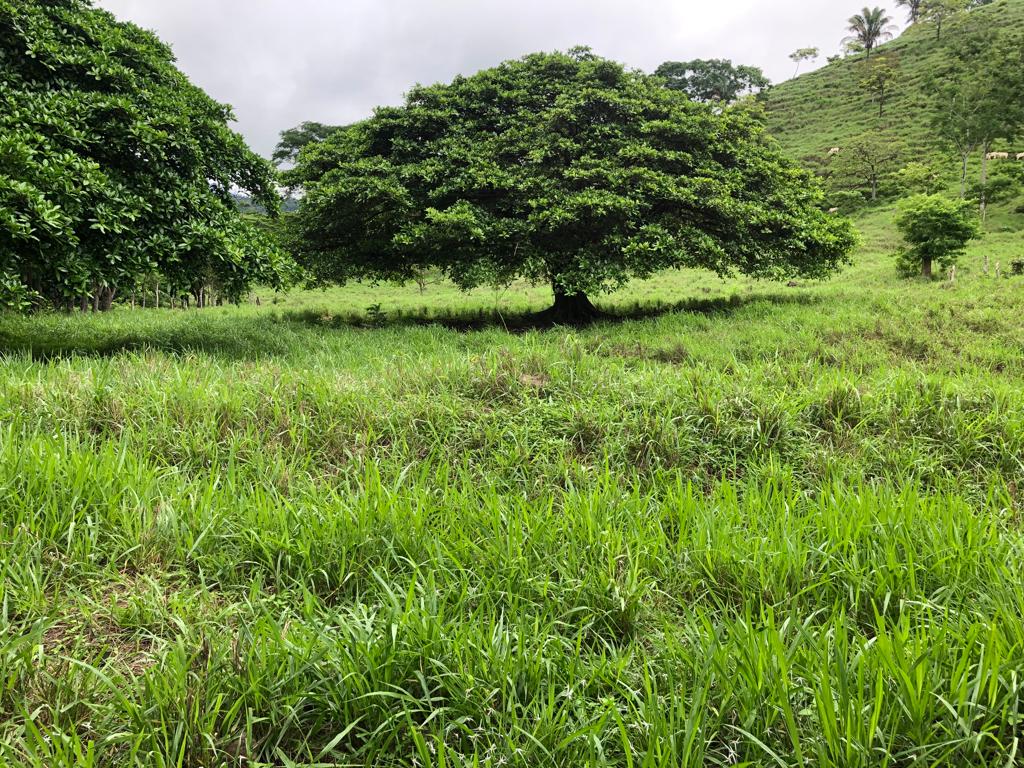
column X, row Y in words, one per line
column 828, row 107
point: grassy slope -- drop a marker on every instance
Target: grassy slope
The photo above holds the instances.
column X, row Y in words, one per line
column 827, row 108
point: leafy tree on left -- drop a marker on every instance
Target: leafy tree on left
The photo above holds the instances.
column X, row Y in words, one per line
column 114, row 168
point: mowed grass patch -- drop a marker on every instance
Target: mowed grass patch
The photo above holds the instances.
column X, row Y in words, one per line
column 779, row 527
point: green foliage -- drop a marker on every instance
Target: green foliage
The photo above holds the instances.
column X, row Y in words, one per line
column 294, row 140
column 936, row 230
column 112, row 165
column 563, row 169
column 942, row 12
column 870, row 28
column 878, row 77
column 801, row 55
column 825, row 108
column 918, row 178
column 15, row 296
column 713, row 81
column 975, row 96
column 1004, row 183
column 865, row 164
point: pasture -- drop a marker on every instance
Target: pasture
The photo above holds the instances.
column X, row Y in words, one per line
column 371, row 526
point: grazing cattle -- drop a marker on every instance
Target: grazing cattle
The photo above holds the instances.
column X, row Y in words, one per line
column 1020, row 155
column 834, row 151
column 997, row 156
column 833, row 210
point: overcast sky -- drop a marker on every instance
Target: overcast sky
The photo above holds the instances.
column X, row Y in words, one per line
column 279, row 62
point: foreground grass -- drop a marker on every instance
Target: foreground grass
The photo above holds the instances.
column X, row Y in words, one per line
column 780, row 528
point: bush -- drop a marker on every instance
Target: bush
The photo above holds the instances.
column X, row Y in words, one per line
column 935, row 229
column 847, row 201
column 14, row 295
column 919, row 178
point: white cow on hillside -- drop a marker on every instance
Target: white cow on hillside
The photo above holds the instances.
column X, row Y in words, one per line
column 834, row 151
column 997, row 156
column 1020, row 155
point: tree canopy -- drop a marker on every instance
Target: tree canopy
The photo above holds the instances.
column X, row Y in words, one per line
column 113, row 166
column 294, row 140
column 713, row 80
column 800, row 55
column 935, row 229
column 559, row 168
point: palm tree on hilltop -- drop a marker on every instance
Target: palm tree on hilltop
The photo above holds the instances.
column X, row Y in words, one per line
column 869, row 28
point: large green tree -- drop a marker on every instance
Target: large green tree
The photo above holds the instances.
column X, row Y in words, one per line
column 714, row 81
column 935, row 230
column 559, row 168
column 113, row 167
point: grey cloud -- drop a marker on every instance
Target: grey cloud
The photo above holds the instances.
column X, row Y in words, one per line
column 281, row 62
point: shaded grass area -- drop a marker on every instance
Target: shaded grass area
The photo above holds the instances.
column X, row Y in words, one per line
column 777, row 526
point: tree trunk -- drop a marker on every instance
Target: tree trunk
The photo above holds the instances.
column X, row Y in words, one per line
column 984, row 183
column 569, row 308
column 964, row 159
column 106, row 299
column 926, row 268
column 874, row 189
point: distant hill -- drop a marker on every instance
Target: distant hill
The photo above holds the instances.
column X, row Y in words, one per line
column 828, row 107
column 247, row 205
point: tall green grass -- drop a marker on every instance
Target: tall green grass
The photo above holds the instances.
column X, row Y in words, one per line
column 781, row 527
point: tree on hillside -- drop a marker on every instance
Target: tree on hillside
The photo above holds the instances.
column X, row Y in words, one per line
column 800, row 55
column 913, row 9
column 869, row 28
column 919, row 178
column 864, row 163
column 562, row 169
column 940, row 12
column 295, row 139
column 975, row 97
column 878, row 75
column 713, row 81
column 935, row 230
column 113, row 167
